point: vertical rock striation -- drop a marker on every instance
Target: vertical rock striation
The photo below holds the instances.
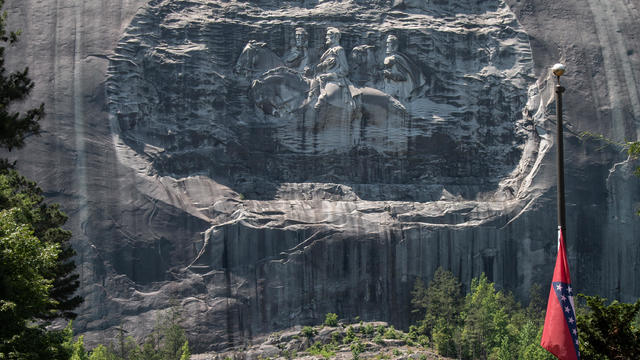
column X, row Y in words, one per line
column 201, row 160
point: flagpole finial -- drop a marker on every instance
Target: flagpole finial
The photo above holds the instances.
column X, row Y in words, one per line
column 558, row 70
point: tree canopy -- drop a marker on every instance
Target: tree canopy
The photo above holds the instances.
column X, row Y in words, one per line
column 14, row 88
column 609, row 331
column 37, row 280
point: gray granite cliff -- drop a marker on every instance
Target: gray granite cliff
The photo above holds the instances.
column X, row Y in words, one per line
column 245, row 160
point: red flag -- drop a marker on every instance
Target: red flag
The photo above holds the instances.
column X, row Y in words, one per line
column 560, row 333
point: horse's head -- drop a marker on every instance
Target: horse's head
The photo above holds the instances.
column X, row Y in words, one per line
column 279, row 90
column 256, row 58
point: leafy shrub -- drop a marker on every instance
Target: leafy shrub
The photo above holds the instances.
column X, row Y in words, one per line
column 335, row 338
column 357, row 348
column 308, row 331
column 378, row 340
column 609, row 331
column 368, row 330
column 331, row 319
column 326, row 351
column 391, row 333
column 350, row 336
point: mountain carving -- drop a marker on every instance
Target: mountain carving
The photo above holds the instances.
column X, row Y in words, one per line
column 265, row 162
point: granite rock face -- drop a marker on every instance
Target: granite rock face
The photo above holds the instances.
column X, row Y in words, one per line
column 183, row 92
column 262, row 170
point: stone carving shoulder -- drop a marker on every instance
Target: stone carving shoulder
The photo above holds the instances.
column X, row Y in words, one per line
column 401, row 76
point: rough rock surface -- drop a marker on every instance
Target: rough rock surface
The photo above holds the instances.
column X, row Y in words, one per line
column 182, row 182
column 363, row 340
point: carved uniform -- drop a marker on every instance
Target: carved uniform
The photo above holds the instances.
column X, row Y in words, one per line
column 400, row 78
column 333, row 69
column 297, row 59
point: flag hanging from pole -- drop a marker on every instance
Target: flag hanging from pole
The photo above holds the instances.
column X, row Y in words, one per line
column 560, row 333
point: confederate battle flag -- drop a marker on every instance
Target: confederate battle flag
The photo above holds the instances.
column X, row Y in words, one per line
column 560, row 333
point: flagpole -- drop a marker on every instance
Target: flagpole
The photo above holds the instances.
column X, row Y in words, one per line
column 559, row 70
column 560, row 332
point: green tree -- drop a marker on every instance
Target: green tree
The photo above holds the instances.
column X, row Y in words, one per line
column 440, row 302
column 14, row 87
column 37, row 280
column 485, row 319
column 537, row 303
column 172, row 335
column 331, row 319
column 528, row 341
column 167, row 341
column 25, row 262
column 101, row 353
column 45, row 220
column 79, row 352
column 609, row 331
column 125, row 347
column 19, row 192
column 186, row 354
column 447, row 338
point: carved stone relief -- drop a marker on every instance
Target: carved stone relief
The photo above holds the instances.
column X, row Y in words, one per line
column 313, row 100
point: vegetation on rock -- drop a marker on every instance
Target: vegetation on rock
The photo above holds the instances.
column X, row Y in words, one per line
column 15, row 87
column 609, row 331
column 37, row 280
column 331, row 319
column 167, row 341
column 486, row 323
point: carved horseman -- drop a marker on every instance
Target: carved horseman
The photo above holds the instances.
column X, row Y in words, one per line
column 297, row 57
column 331, row 72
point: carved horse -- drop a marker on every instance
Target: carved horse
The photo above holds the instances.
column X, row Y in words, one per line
column 283, row 90
column 277, row 89
column 280, row 90
column 255, row 59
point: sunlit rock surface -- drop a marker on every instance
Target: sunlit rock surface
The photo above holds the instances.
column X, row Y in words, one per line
column 191, row 175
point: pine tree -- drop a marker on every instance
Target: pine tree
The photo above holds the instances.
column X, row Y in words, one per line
column 32, row 292
column 186, row 354
column 609, row 331
column 15, row 87
column 18, row 192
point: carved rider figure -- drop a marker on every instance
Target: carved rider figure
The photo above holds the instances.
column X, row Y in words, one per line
column 297, row 58
column 331, row 72
column 401, row 77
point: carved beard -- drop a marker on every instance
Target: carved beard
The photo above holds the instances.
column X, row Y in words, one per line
column 330, row 43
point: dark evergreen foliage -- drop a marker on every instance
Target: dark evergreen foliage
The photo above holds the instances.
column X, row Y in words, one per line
column 37, row 283
column 46, row 220
column 484, row 324
column 609, row 331
column 15, row 87
column 168, row 341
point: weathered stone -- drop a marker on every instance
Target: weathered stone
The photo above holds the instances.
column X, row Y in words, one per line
column 182, row 184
